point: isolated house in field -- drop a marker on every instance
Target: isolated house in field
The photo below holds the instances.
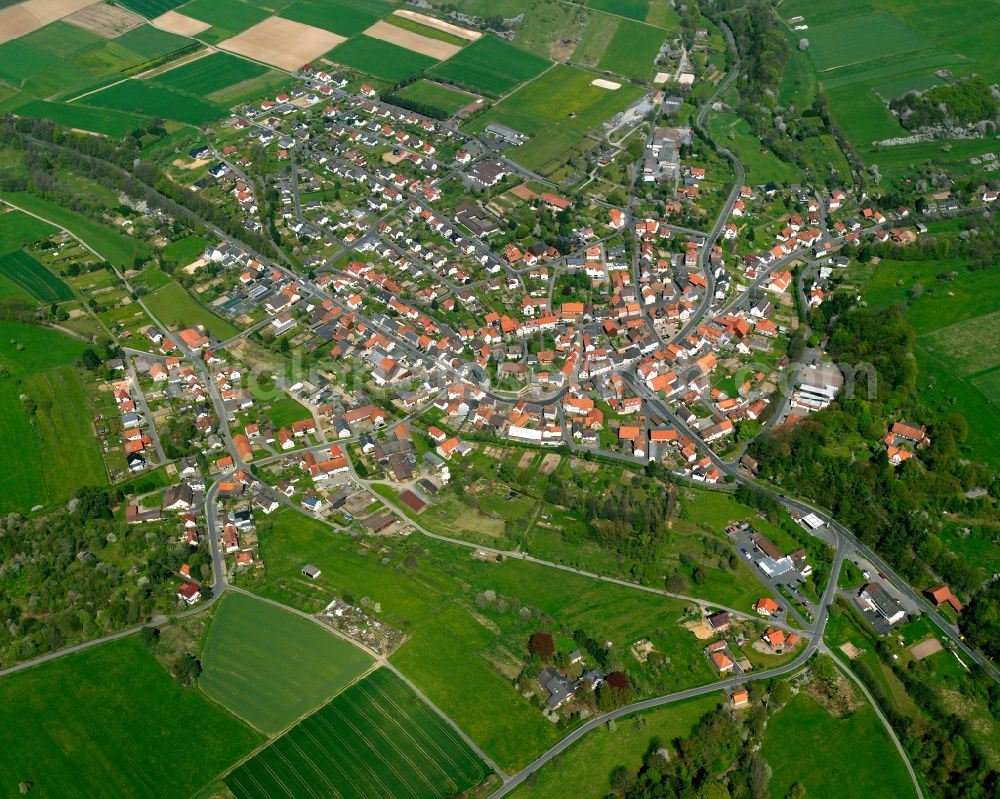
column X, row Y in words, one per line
column 557, row 686
column 311, row 571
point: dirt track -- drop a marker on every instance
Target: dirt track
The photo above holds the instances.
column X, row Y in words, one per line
column 440, row 24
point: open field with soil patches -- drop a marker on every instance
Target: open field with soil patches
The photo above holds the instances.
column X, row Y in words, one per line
column 412, row 40
column 105, row 723
column 283, row 43
column 178, row 23
column 269, row 666
column 376, row 739
column 105, row 20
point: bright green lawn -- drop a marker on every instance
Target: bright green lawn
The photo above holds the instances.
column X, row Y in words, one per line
column 436, row 95
column 632, row 50
column 173, row 306
column 18, row 229
column 286, row 410
column 490, row 65
column 379, row 58
column 442, row 660
column 44, row 457
column 846, row 758
column 270, row 666
column 110, row 722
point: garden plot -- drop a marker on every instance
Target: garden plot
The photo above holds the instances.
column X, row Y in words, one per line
column 282, row 43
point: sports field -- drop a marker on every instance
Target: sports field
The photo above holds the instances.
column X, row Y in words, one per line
column 380, row 59
column 343, row 17
column 210, row 74
column 33, row 277
column 150, row 99
column 557, row 109
column 806, row 744
column 490, row 65
column 47, row 444
column 173, row 306
column 436, row 96
column 110, row 722
column 269, row 666
column 376, row 739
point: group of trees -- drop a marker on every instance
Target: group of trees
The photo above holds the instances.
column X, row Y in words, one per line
column 835, row 457
column 701, row 767
column 65, row 576
column 965, row 102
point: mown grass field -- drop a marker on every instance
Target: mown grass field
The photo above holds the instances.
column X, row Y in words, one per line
column 376, row 739
column 436, row 95
column 490, row 65
column 150, row 99
column 805, row 743
column 582, row 770
column 33, row 277
column 442, row 659
column 556, row 109
column 269, row 666
column 210, row 74
column 151, row 42
column 228, row 17
column 866, row 51
column 151, row 8
column 98, row 120
column 173, row 306
column 380, row 59
column 107, row 722
column 343, row 17
column 286, row 410
column 633, row 9
column 47, row 454
column 632, row 50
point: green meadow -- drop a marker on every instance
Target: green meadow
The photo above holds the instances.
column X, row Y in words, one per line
column 110, row 722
